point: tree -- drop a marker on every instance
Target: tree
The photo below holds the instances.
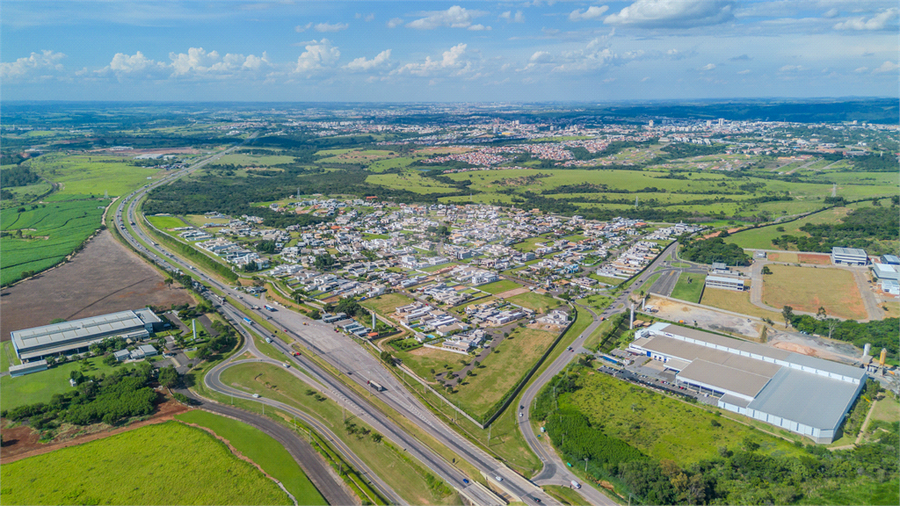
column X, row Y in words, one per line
column 168, row 377
column 314, row 314
column 168, row 282
column 787, row 312
column 821, row 314
column 766, row 270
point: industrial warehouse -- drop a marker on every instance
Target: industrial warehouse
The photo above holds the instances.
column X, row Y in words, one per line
column 77, row 335
column 802, row 394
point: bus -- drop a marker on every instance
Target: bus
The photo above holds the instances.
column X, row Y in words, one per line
column 376, row 386
column 269, row 308
column 248, row 320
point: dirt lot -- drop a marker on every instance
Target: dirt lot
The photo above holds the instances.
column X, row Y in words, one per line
column 22, row 442
column 103, row 278
column 813, row 258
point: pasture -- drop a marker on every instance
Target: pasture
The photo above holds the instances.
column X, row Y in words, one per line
column 656, row 424
column 262, row 449
column 82, row 175
column 248, row 160
column 761, row 238
column 535, row 301
column 44, row 234
column 410, row 181
column 167, row 463
column 807, row 289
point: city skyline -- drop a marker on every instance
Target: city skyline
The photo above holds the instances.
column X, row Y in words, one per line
column 447, row 51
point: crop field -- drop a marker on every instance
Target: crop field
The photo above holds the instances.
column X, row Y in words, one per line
column 739, row 302
column 807, row 289
column 385, row 304
column 406, row 477
column 248, row 160
column 656, row 424
column 40, row 386
column 82, row 175
column 167, row 463
column 166, row 222
column 535, row 301
column 261, row 449
column 504, row 285
column 689, row 287
column 44, row 235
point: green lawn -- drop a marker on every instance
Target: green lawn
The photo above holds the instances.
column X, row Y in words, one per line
column 8, row 356
column 536, row 301
column 166, row 222
column 689, row 287
column 386, row 304
column 40, row 386
column 167, row 463
column 406, row 477
column 504, row 285
column 262, row 449
column 658, row 425
column 531, row 243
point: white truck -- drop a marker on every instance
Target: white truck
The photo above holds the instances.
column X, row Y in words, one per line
column 575, row 484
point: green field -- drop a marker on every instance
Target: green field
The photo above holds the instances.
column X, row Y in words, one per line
column 262, row 449
column 7, row 356
column 808, row 289
column 386, row 304
column 167, row 463
column 531, row 243
column 535, row 301
column 254, row 160
column 656, row 424
column 504, row 285
column 81, row 175
column 761, row 238
column 166, row 222
column 44, row 234
column 40, row 386
column 739, row 302
column 689, row 287
column 410, row 181
column 405, row 476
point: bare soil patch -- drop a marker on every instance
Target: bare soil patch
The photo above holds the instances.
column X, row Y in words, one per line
column 813, row 258
column 510, row 293
column 103, row 278
column 796, row 348
column 22, row 442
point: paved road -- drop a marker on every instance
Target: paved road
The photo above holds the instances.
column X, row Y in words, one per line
column 555, row 470
column 346, row 355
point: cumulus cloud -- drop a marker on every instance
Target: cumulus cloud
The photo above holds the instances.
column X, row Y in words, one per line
column 673, row 13
column 303, row 28
column 451, row 60
column 541, row 57
column 594, row 56
column 35, row 63
column 479, row 28
column 708, row 66
column 361, row 64
column 831, row 13
column 331, row 27
column 518, row 17
column 394, row 23
column 198, row 61
column 881, row 21
column 367, row 18
column 126, row 64
column 887, row 66
column 319, row 54
column 454, row 17
column 592, row 12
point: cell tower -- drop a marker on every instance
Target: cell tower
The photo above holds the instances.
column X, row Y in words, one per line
column 631, row 321
column 194, row 328
column 636, row 202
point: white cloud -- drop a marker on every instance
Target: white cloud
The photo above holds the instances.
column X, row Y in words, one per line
column 198, row 62
column 394, row 23
column 318, row 55
column 124, row 64
column 887, row 66
column 370, row 17
column 595, row 55
column 479, row 28
column 592, row 12
column 673, row 13
column 361, row 64
column 860, row 70
column 329, row 27
column 450, row 60
column 303, row 28
column 880, row 21
column 454, row 17
column 541, row 57
column 791, row 68
column 831, row 13
column 746, row 71
column 708, row 66
column 34, row 63
column 518, row 17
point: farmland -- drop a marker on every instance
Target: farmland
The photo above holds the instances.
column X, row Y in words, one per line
column 42, row 235
column 261, row 449
column 158, row 464
column 808, row 289
column 83, row 175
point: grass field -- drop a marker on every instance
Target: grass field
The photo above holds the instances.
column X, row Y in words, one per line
column 262, row 449
column 565, row 495
column 689, row 287
column 43, row 235
column 254, row 160
column 386, row 304
column 808, row 288
column 82, row 175
column 531, row 244
column 410, row 181
column 656, row 424
column 40, row 386
column 761, row 238
column 783, row 256
column 504, row 285
column 166, row 222
column 158, row 464
column 7, row 356
column 739, row 302
column 407, row 478
column 535, row 301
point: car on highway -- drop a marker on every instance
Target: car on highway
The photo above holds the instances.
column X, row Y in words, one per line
column 256, row 396
column 498, row 478
column 466, row 481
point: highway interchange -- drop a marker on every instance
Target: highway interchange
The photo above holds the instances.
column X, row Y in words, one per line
column 359, row 365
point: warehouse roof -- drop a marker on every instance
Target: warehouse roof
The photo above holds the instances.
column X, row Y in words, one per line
column 806, row 398
column 726, row 378
column 59, row 334
column 837, row 250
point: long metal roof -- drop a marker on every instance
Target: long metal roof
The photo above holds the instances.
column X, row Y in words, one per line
column 806, row 398
column 77, row 330
column 727, row 378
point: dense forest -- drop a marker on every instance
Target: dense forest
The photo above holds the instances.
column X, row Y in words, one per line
column 739, row 475
column 707, row 251
column 861, row 228
column 20, row 175
column 879, row 333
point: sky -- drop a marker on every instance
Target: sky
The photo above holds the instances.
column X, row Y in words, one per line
column 435, row 51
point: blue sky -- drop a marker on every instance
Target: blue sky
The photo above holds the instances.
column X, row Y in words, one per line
column 447, row 51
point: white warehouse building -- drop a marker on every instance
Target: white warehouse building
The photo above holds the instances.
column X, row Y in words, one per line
column 849, row 256
column 802, row 394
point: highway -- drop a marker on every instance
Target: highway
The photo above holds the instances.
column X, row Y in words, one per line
column 346, row 355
